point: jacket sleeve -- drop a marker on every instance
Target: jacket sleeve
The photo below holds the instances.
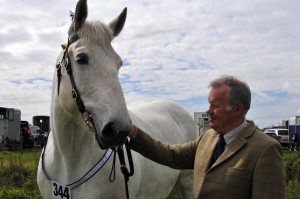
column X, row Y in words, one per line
column 269, row 174
column 176, row 156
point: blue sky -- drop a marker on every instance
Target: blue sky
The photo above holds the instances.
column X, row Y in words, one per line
column 171, row 50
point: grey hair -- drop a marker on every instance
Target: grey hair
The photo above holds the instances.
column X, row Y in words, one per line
column 239, row 91
column 94, row 31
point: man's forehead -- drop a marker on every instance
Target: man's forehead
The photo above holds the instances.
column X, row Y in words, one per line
column 220, row 90
column 218, row 93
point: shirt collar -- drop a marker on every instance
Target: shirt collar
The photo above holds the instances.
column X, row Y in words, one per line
column 231, row 135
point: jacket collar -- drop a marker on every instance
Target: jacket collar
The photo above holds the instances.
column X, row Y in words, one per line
column 236, row 145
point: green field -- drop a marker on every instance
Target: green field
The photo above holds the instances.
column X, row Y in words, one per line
column 18, row 175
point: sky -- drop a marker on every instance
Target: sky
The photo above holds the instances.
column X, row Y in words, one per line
column 171, row 49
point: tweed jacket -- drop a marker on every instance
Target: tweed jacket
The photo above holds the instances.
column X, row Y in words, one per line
column 251, row 167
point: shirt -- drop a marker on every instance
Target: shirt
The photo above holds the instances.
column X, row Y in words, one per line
column 231, row 135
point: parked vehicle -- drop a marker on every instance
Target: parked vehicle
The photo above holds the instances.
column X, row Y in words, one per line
column 42, row 121
column 37, row 136
column 294, row 127
column 16, row 133
column 282, row 133
column 273, row 135
column 284, row 124
column 10, row 128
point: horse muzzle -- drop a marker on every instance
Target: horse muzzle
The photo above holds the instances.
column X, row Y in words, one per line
column 113, row 134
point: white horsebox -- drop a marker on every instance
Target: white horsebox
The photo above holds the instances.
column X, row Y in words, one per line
column 90, row 119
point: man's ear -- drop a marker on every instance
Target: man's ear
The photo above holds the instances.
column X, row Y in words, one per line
column 238, row 109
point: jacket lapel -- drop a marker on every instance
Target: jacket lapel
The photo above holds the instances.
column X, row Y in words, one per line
column 208, row 145
column 236, row 145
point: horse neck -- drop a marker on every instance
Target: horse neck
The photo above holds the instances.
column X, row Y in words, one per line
column 72, row 141
column 71, row 151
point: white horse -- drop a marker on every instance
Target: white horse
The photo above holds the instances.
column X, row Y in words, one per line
column 74, row 164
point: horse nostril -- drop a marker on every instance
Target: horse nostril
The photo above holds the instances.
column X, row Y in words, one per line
column 109, row 131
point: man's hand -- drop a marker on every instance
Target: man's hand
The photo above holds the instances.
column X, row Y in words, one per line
column 134, row 131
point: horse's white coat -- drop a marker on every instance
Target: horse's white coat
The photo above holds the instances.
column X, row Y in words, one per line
column 72, row 150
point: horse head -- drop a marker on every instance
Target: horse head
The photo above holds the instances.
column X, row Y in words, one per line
column 93, row 79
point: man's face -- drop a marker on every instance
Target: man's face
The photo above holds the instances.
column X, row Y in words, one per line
column 221, row 119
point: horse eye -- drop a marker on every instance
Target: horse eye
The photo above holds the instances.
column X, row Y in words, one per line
column 82, row 58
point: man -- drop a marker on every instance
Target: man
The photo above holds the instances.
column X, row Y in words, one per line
column 251, row 165
column 295, row 140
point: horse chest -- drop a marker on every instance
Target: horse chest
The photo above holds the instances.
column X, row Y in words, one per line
column 78, row 181
column 98, row 186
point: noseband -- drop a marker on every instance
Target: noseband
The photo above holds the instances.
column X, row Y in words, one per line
column 65, row 62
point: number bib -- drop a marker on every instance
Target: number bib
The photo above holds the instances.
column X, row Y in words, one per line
column 61, row 191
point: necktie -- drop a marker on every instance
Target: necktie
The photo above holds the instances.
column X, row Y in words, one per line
column 219, row 149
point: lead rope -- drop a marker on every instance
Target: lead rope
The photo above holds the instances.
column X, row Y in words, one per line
column 126, row 173
column 112, row 174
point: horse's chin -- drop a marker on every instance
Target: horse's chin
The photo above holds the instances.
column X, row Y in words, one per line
column 105, row 143
column 101, row 145
column 112, row 133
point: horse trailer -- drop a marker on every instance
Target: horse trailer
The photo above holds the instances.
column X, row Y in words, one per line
column 294, row 127
column 42, row 121
column 284, row 124
column 10, row 128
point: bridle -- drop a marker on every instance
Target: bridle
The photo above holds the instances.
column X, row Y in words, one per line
column 75, row 94
column 88, row 119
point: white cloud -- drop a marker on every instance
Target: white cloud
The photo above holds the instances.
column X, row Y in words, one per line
column 173, row 49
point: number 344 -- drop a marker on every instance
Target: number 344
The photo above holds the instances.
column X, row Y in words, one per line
column 60, row 191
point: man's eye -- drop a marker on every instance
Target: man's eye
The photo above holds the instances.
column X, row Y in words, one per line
column 82, row 58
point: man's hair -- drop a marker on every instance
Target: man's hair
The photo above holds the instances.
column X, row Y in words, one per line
column 239, row 91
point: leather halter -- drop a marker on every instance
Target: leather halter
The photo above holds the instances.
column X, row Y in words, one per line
column 65, row 61
column 67, row 64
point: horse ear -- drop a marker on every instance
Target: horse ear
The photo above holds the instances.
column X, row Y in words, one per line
column 117, row 24
column 81, row 13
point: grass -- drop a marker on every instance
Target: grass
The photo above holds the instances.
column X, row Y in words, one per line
column 18, row 175
column 292, row 168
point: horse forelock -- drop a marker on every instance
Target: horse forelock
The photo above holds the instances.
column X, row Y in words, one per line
column 96, row 32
